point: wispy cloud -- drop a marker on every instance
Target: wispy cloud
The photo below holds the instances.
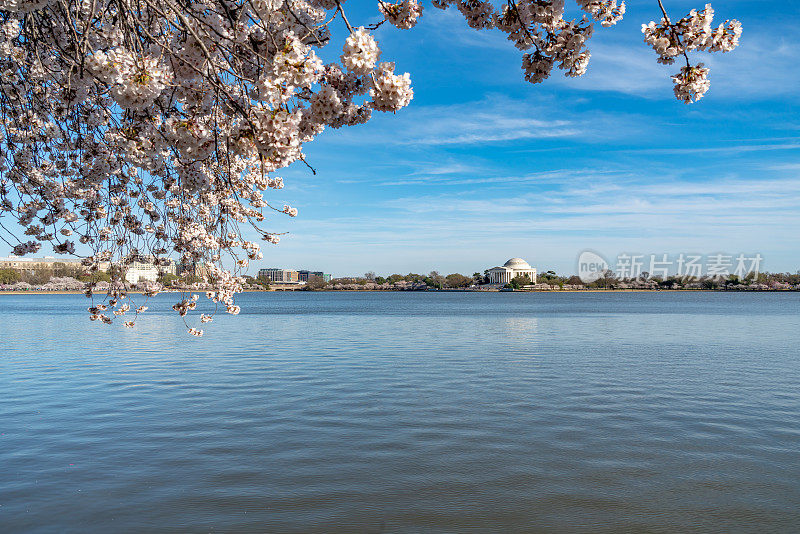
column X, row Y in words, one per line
column 437, row 168
column 622, row 67
column 731, row 148
column 715, row 202
column 785, row 167
column 492, row 120
column 451, row 23
column 471, row 176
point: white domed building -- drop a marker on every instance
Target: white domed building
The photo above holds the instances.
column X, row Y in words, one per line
column 511, row 269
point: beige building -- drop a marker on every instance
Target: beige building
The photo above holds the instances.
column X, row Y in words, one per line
column 144, row 271
column 511, row 269
column 24, row 263
column 137, row 271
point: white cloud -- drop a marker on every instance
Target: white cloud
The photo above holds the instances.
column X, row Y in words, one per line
column 494, row 119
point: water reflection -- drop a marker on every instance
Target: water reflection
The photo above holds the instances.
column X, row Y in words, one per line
column 522, row 326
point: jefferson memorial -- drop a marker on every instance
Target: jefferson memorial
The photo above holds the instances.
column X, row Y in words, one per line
column 510, row 269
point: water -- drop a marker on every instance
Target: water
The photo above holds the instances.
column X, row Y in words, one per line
column 405, row 412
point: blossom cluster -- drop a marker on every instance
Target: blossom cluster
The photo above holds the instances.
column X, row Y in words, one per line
column 540, row 30
column 693, row 32
column 136, row 131
column 547, row 39
column 404, row 14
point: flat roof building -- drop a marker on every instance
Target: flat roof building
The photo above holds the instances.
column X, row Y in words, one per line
column 274, row 274
column 140, row 271
column 303, row 275
column 24, row 263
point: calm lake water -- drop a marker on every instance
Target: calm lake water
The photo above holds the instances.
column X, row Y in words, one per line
column 405, row 412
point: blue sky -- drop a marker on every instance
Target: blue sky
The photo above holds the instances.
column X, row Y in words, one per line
column 483, row 166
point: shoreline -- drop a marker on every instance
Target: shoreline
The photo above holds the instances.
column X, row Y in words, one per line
column 693, row 290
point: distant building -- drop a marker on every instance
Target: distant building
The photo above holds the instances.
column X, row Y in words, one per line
column 139, row 271
column 511, row 269
column 290, row 276
column 279, row 275
column 304, row 275
column 23, row 263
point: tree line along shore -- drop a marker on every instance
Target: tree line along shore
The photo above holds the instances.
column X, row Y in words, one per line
column 551, row 281
column 68, row 279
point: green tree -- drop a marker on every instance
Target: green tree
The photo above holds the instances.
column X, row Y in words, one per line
column 9, row 276
column 670, row 281
column 190, row 279
column 575, row 280
column 520, row 281
column 168, row 279
column 548, row 276
column 437, row 278
column 434, row 279
column 456, row 280
column 38, row 277
column 315, row 283
column 710, row 283
column 97, row 276
column 607, row 280
column 61, row 269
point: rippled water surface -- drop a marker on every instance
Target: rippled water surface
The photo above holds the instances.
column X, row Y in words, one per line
column 405, row 412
